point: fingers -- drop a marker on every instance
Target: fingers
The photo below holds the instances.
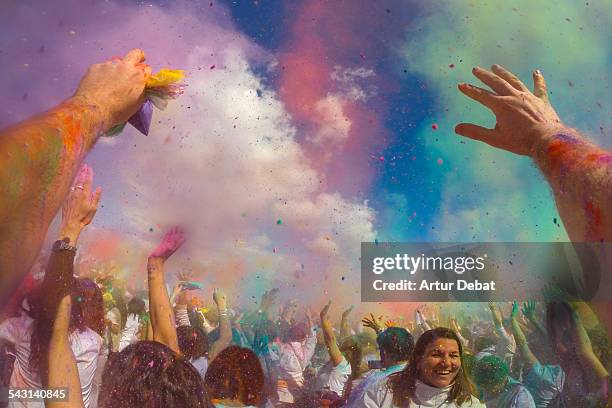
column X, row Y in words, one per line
column 487, row 98
column 81, row 175
column 148, row 71
column 95, row 198
column 495, row 82
column 135, row 56
column 539, row 85
column 477, row 132
column 509, row 77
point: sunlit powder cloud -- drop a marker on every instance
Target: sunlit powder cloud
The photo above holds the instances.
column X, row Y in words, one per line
column 488, row 194
column 223, row 161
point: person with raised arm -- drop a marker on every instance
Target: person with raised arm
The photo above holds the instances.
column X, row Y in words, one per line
column 578, row 171
column 345, row 326
column 30, row 333
column 505, row 347
column 333, row 377
column 223, row 339
column 41, row 155
column 154, row 373
column 544, row 382
column 586, row 378
column 295, row 351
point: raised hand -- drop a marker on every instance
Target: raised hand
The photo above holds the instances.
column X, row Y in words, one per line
column 184, row 276
column 347, row 312
column 170, row 243
column 524, row 118
column 529, row 309
column 220, row 299
column 514, row 314
column 115, row 88
column 373, row 322
column 80, row 205
column 309, row 320
column 268, row 298
column 497, row 317
column 325, row 311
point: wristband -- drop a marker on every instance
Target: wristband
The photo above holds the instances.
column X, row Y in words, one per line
column 63, row 245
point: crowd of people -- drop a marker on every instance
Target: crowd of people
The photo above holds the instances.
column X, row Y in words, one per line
column 112, row 346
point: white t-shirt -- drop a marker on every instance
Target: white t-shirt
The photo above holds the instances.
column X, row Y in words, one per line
column 380, row 396
column 201, row 364
column 373, row 380
column 85, row 345
column 334, row 378
column 129, row 335
column 294, row 357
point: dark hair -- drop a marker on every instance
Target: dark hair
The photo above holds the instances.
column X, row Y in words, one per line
column 87, row 310
column 353, row 352
column 149, row 374
column 403, row 384
column 396, row 343
column 489, row 372
column 236, row 374
column 192, row 341
column 136, row 306
column 297, row 332
column 482, row 342
column 87, row 306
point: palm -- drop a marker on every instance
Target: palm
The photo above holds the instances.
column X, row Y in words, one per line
column 171, row 242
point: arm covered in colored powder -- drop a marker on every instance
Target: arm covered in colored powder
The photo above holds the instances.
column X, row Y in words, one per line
column 40, row 157
column 160, row 309
column 579, row 172
column 335, row 356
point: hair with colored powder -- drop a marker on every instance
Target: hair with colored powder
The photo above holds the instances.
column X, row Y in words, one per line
column 395, row 343
column 87, row 311
column 88, row 306
column 490, row 372
column 403, row 384
column 236, row 374
column 193, row 342
column 149, row 374
column 136, row 306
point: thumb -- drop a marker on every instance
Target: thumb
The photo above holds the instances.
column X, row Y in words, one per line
column 476, row 132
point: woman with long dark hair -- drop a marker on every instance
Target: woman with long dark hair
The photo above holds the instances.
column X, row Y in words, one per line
column 434, row 376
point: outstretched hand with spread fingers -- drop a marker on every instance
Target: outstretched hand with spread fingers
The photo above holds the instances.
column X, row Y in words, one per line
column 170, row 243
column 524, row 119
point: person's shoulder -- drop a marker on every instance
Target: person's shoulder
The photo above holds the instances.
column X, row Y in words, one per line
column 473, row 403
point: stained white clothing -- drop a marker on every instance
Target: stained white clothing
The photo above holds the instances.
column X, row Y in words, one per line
column 85, row 345
column 129, row 334
column 334, row 378
column 294, row 357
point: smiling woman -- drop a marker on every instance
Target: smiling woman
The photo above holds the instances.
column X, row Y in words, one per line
column 434, row 376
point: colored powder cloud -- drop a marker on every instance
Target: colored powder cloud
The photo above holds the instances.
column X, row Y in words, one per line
column 225, row 160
